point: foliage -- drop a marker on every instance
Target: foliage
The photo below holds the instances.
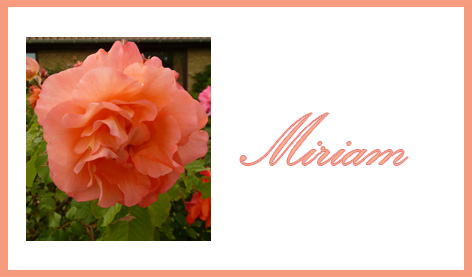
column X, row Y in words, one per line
column 202, row 80
column 53, row 215
column 56, row 69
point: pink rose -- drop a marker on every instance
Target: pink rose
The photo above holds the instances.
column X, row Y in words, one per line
column 118, row 128
column 205, row 99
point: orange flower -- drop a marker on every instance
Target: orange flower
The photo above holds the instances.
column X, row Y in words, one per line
column 198, row 207
column 34, row 91
column 32, row 68
column 206, row 173
column 78, row 63
column 118, row 128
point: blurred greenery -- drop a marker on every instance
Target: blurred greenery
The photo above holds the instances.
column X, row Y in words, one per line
column 202, row 81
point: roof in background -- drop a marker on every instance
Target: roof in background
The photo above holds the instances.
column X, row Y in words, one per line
column 33, row 40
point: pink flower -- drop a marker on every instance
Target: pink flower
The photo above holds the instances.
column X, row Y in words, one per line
column 205, row 99
column 32, row 68
column 119, row 129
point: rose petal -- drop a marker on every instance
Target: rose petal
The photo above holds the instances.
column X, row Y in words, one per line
column 92, row 193
column 65, row 181
column 143, row 110
column 187, row 111
column 104, row 152
column 159, row 85
column 154, row 61
column 93, row 112
column 105, row 84
column 119, row 57
column 139, row 134
column 93, row 142
column 109, row 194
column 57, row 89
column 154, row 158
column 61, row 141
column 195, row 148
column 160, row 185
column 133, row 184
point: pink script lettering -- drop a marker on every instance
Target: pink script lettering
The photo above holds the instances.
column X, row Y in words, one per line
column 285, row 143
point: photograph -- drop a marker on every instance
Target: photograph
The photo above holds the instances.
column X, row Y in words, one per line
column 118, row 138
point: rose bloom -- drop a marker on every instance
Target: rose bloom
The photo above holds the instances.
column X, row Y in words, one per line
column 119, row 129
column 205, row 99
column 198, row 207
column 34, row 91
column 32, row 68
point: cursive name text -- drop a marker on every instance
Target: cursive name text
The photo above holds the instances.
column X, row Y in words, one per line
column 323, row 156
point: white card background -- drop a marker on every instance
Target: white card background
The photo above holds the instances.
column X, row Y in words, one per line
column 389, row 77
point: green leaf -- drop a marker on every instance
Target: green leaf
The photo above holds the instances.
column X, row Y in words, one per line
column 47, row 204
column 110, row 214
column 89, row 219
column 196, row 166
column 137, row 229
column 41, row 163
column 55, row 220
column 191, row 182
column 180, row 218
column 77, row 228
column 97, row 211
column 45, row 235
column 117, row 231
column 191, row 233
column 159, row 210
column 106, row 215
column 83, row 209
column 140, row 228
column 204, row 188
column 174, row 192
column 30, row 172
column 60, row 195
column 60, row 235
column 32, row 135
column 123, row 212
column 71, row 213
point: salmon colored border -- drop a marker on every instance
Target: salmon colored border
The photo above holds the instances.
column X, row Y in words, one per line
column 467, row 4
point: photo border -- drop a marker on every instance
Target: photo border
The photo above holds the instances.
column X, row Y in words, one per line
column 466, row 4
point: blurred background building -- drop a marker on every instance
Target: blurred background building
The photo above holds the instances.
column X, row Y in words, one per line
column 186, row 55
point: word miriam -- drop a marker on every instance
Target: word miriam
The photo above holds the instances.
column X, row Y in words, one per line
column 322, row 157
